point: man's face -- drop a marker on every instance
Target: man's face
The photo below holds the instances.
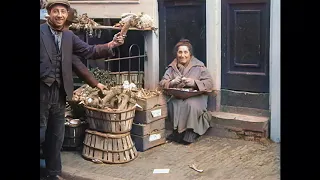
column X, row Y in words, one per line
column 58, row 15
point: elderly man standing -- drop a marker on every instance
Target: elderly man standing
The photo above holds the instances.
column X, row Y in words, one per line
column 57, row 46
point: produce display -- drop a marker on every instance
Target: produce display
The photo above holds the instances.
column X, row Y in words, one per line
column 117, row 98
column 114, row 97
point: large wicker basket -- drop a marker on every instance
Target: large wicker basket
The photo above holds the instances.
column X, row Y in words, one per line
column 107, row 121
column 109, row 148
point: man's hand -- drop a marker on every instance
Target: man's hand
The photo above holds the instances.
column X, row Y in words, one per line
column 118, row 39
column 188, row 82
column 101, row 87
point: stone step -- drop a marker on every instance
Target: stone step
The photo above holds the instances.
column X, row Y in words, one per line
column 239, row 126
column 245, row 111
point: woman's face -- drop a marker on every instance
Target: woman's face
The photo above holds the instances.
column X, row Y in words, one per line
column 183, row 55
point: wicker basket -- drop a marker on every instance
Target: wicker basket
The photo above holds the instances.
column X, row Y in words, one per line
column 116, row 122
column 109, row 148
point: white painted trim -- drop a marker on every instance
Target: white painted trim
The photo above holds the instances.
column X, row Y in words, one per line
column 213, row 33
column 213, row 41
column 275, row 63
column 151, row 66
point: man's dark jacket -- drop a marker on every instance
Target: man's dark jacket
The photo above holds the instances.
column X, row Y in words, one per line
column 70, row 45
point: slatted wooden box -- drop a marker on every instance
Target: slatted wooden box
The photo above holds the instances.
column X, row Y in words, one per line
column 151, row 102
column 146, row 136
column 146, row 129
column 153, row 114
column 143, row 143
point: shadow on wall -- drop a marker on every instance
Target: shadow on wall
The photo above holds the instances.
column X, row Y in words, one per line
column 212, row 101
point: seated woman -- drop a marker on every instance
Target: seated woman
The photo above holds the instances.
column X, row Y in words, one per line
column 189, row 117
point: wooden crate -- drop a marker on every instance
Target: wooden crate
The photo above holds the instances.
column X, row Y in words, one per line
column 143, row 143
column 152, row 102
column 109, row 148
column 146, row 129
column 148, row 116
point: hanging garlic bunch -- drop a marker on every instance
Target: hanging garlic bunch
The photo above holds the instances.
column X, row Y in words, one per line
column 142, row 20
column 87, row 24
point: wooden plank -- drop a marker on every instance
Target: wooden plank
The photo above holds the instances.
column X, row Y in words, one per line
column 130, row 143
column 120, row 148
column 105, row 147
column 92, row 142
column 115, row 147
column 85, row 148
column 98, row 144
column 125, row 146
column 113, row 125
column 110, row 149
column 117, row 125
column 122, row 124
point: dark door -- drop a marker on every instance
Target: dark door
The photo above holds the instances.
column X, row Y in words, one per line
column 181, row 19
column 245, row 45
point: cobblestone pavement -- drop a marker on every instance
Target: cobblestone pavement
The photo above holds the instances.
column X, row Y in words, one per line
column 219, row 158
